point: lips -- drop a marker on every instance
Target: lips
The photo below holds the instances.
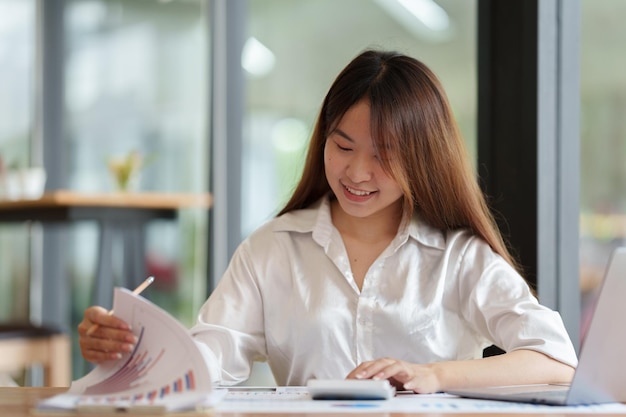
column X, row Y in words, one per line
column 356, row 192
column 356, row 195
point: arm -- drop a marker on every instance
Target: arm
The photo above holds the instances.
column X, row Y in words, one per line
column 495, row 304
column 518, row 367
column 230, row 324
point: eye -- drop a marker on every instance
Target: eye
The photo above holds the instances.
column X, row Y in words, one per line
column 342, row 148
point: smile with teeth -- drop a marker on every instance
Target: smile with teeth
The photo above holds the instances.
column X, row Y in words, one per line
column 357, row 192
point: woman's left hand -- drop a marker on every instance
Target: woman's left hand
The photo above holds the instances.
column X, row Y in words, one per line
column 418, row 378
column 522, row 366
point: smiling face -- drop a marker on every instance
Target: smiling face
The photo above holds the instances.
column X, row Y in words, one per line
column 354, row 171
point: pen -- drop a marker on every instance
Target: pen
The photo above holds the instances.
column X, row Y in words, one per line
column 136, row 291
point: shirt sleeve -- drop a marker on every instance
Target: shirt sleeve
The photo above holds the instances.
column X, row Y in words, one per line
column 500, row 306
column 230, row 323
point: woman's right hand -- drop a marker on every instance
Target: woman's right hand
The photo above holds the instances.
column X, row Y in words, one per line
column 109, row 339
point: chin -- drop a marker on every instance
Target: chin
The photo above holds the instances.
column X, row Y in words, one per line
column 360, row 212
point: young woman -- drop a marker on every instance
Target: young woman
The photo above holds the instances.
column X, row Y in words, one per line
column 385, row 263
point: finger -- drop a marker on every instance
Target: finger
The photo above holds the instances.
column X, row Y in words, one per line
column 423, row 384
column 395, row 370
column 98, row 350
column 96, row 356
column 105, row 318
column 88, row 316
column 123, row 342
column 108, row 333
column 92, row 312
column 358, row 370
column 368, row 369
column 83, row 327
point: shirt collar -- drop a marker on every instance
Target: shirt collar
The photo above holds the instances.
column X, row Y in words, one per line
column 316, row 219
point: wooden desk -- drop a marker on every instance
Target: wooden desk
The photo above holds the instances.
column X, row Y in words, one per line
column 125, row 214
column 19, row 402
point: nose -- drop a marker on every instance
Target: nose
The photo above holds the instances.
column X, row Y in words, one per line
column 360, row 168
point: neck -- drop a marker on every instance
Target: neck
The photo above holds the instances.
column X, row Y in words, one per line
column 379, row 226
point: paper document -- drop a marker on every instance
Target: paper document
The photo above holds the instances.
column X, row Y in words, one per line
column 292, row 400
column 165, row 371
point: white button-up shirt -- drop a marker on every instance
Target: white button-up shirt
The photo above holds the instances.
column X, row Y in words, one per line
column 289, row 297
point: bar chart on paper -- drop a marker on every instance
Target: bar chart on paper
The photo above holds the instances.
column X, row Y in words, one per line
column 164, row 366
column 135, row 374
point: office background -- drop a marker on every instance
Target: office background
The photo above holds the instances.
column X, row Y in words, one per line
column 221, row 97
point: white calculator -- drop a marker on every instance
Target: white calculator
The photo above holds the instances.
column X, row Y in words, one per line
column 350, row 389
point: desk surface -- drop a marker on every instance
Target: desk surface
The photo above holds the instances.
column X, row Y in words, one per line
column 19, row 402
column 66, row 198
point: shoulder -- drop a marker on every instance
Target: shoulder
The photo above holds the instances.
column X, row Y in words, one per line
column 468, row 258
column 485, row 274
column 298, row 221
column 272, row 248
column 444, row 241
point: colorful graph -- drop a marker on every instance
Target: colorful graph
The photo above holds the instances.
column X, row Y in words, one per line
column 164, row 361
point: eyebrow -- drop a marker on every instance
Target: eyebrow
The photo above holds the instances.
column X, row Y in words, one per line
column 343, row 134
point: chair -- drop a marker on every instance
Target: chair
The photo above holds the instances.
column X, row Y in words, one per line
column 492, row 350
column 23, row 346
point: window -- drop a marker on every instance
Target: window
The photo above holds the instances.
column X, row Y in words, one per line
column 17, row 62
column 136, row 80
column 603, row 142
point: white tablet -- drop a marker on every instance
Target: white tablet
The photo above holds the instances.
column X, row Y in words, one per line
column 350, row 389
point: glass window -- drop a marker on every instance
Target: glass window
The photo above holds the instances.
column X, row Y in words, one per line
column 136, row 82
column 17, row 60
column 603, row 141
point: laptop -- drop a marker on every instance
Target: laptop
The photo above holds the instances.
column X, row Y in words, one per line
column 601, row 373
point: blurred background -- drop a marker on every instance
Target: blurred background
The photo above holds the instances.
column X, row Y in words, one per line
column 137, row 78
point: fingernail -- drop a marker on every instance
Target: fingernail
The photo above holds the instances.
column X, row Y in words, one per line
column 116, row 356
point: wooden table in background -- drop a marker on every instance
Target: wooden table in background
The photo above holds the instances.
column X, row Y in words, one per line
column 122, row 213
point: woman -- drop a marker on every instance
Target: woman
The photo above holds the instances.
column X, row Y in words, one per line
column 384, row 264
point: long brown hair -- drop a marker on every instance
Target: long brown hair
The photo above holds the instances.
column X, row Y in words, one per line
column 417, row 138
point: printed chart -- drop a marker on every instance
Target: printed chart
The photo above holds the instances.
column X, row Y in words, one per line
column 165, row 363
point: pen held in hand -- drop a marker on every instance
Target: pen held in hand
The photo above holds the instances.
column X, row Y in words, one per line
column 136, row 291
